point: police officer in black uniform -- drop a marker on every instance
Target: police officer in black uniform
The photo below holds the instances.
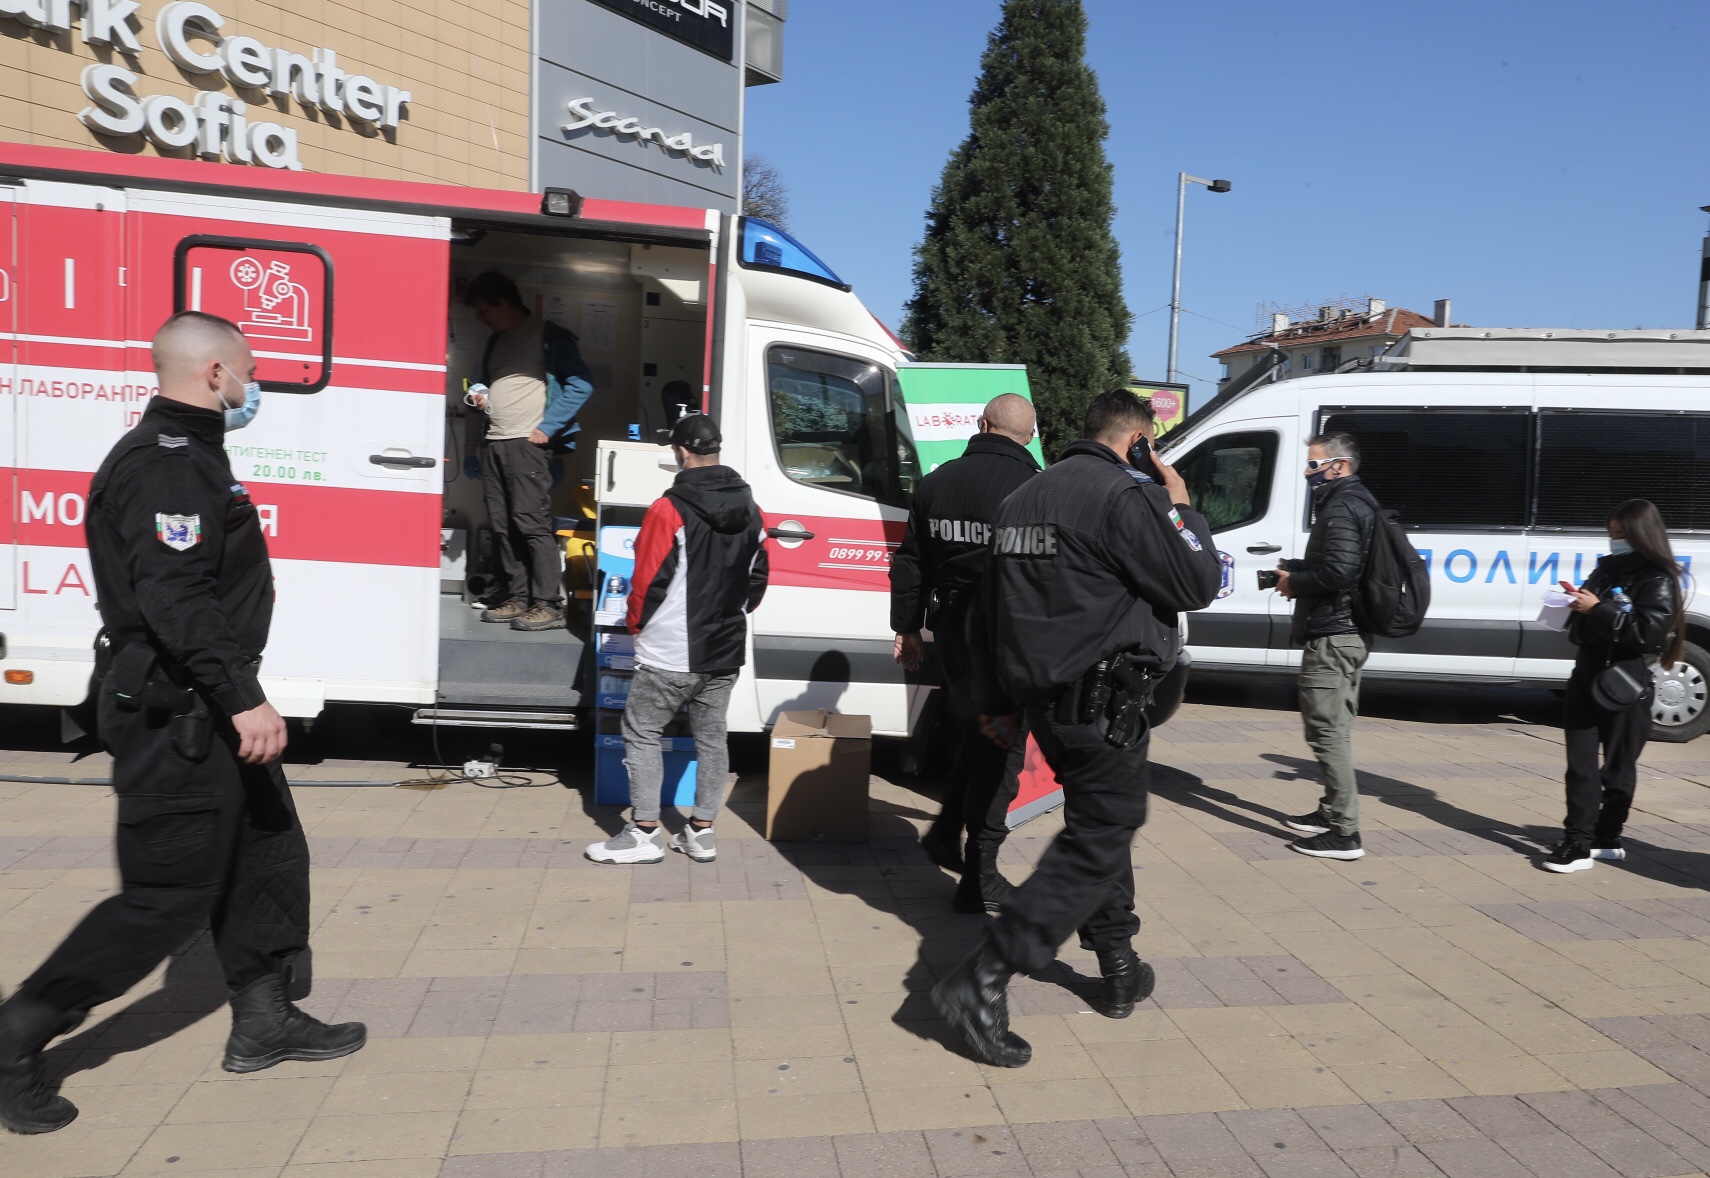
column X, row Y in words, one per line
column 935, row 581
column 1091, row 563
column 207, row 832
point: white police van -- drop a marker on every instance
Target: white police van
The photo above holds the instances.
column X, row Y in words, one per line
column 1504, row 452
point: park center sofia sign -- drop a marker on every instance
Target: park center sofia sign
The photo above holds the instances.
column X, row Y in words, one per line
column 188, row 33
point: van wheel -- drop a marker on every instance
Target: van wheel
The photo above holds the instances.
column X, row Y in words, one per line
column 1681, row 710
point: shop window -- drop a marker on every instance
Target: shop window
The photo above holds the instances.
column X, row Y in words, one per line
column 1443, row 470
column 1590, row 462
column 1229, row 478
column 280, row 295
column 835, row 421
column 767, row 247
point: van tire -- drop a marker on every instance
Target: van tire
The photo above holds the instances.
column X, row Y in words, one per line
column 1681, row 711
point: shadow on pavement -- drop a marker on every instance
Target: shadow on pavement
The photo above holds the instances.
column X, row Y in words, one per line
column 193, row 988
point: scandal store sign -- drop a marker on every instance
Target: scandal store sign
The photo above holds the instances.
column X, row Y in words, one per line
column 215, row 125
column 708, row 25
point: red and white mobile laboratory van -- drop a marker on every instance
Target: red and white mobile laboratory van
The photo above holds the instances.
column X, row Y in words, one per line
column 363, row 457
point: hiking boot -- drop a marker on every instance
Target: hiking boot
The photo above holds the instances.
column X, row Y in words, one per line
column 508, row 611
column 1127, row 980
column 1312, row 823
column 1330, row 845
column 696, row 842
column 27, row 1103
column 971, row 999
column 983, row 887
column 539, row 616
column 1569, row 855
column 630, row 845
column 268, row 1029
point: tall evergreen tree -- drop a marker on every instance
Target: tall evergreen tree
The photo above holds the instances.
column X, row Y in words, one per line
column 1018, row 265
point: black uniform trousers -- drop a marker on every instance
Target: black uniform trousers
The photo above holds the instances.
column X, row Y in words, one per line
column 984, row 779
column 200, row 843
column 1599, row 795
column 1085, row 878
column 516, row 480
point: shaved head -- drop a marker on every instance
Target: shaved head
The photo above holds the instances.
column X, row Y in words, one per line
column 1011, row 415
column 196, row 355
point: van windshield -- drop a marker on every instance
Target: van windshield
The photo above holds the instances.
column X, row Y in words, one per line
column 767, row 247
column 839, row 424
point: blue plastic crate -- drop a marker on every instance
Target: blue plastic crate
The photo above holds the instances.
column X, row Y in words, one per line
column 611, row 779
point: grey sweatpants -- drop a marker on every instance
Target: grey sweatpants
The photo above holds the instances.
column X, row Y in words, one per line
column 654, row 698
column 1329, row 701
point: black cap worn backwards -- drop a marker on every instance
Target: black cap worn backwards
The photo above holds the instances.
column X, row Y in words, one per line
column 697, row 433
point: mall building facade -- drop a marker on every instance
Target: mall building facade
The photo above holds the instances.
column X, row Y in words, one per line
column 634, row 100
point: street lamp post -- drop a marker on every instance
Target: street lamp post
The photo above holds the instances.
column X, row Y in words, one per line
column 1182, row 181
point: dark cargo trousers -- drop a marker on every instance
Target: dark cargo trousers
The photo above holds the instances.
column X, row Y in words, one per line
column 1085, row 878
column 985, row 777
column 200, row 843
column 516, row 480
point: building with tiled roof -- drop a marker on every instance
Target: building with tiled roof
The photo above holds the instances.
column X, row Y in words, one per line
column 1337, row 335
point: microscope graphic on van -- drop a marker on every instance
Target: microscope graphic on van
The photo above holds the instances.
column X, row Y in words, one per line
column 275, row 307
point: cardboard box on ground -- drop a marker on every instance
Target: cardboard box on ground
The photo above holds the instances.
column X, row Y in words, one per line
column 816, row 789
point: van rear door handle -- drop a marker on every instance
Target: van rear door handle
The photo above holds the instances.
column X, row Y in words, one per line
column 1263, row 549
column 402, row 460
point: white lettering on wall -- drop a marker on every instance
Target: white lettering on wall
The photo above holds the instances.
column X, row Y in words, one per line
column 188, row 32
column 584, row 115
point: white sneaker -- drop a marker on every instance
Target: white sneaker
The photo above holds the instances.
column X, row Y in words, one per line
column 695, row 843
column 1615, row 853
column 632, row 845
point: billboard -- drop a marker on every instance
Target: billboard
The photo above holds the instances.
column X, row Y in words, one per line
column 1169, row 401
column 944, row 403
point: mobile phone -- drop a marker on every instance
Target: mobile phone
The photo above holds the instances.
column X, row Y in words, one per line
column 1268, row 579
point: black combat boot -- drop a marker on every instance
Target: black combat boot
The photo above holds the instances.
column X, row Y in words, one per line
column 972, row 1000
column 1127, row 980
column 983, row 887
column 267, row 1029
column 27, row 1104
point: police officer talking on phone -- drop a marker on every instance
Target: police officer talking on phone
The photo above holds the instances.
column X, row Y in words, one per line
column 1091, row 563
column 936, row 575
column 207, row 832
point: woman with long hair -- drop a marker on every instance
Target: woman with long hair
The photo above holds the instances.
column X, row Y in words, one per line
column 1630, row 613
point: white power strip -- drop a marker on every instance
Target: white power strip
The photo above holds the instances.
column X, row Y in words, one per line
column 479, row 769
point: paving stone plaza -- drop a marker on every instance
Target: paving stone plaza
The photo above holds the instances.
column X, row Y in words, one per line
column 1441, row 1007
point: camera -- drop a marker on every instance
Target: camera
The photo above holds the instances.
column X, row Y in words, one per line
column 1268, row 578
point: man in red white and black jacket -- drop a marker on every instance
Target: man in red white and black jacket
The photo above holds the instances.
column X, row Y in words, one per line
column 700, row 570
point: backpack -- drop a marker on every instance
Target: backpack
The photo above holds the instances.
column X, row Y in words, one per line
column 1395, row 592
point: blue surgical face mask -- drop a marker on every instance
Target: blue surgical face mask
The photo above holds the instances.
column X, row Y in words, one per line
column 241, row 415
column 1620, row 547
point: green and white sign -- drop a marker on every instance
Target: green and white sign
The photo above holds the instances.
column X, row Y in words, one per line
column 944, row 403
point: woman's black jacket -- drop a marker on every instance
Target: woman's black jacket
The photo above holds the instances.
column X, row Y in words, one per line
column 1607, row 633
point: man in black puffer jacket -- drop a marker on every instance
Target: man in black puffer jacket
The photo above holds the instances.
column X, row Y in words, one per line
column 1323, row 584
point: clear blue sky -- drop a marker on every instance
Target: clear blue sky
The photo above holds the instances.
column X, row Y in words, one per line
column 1539, row 163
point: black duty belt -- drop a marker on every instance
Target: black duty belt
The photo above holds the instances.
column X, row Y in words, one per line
column 1114, row 693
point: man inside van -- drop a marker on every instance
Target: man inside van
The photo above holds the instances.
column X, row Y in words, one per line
column 1322, row 584
column 531, row 384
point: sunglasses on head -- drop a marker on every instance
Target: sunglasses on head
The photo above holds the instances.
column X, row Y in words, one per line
column 1321, row 463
